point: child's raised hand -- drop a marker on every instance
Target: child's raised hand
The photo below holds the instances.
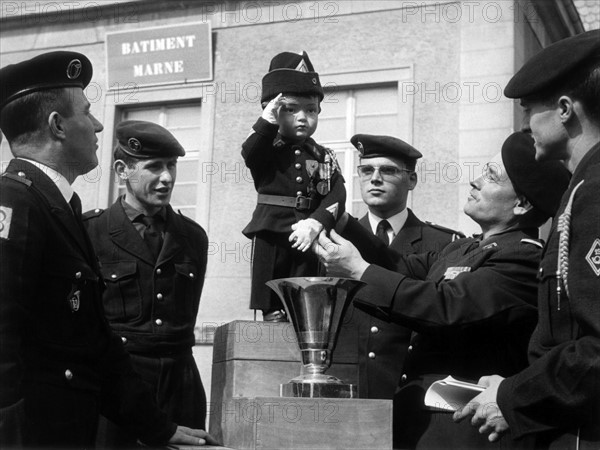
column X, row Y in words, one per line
column 271, row 111
column 305, row 232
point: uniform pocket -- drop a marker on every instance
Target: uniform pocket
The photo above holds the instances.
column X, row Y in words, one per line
column 122, row 299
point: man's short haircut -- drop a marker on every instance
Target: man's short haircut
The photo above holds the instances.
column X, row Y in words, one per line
column 129, row 160
column 22, row 118
column 583, row 84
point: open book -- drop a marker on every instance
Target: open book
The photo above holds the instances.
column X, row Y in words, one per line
column 450, row 394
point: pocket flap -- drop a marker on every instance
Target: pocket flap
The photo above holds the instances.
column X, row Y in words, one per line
column 188, row 270
column 115, row 271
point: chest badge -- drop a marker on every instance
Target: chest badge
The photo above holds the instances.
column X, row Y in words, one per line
column 593, row 257
column 74, row 299
column 311, row 167
column 452, row 272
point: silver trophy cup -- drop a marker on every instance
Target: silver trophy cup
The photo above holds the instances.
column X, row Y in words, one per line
column 315, row 307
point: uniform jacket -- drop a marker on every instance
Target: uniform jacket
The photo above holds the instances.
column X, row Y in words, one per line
column 52, row 326
column 560, row 390
column 472, row 307
column 151, row 304
column 382, row 345
column 281, row 169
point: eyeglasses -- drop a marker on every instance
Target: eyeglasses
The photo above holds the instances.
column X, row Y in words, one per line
column 386, row 172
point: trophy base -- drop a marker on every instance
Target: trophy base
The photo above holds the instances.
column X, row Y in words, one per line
column 318, row 390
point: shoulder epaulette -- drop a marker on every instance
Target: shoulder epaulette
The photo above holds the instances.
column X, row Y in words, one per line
column 92, row 213
column 18, row 178
column 537, row 242
column 455, row 234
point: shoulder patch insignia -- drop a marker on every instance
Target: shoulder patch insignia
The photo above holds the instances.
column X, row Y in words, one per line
column 593, row 257
column 533, row 242
column 5, row 218
column 333, row 209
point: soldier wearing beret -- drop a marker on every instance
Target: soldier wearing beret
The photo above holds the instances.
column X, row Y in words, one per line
column 472, row 306
column 555, row 402
column 299, row 184
column 153, row 263
column 386, row 175
column 60, row 363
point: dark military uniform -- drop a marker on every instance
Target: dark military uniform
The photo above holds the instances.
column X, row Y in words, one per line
column 152, row 304
column 61, row 365
column 382, row 345
column 557, row 398
column 281, row 169
column 463, row 325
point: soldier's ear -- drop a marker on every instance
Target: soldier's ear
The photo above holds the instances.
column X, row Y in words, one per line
column 565, row 105
column 412, row 180
column 121, row 169
column 55, row 124
column 522, row 206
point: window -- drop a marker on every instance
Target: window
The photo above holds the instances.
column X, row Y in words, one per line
column 346, row 112
column 183, row 121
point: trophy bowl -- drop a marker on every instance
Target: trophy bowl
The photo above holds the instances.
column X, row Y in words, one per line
column 315, row 307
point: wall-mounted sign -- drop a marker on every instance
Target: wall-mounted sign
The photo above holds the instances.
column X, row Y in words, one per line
column 159, row 55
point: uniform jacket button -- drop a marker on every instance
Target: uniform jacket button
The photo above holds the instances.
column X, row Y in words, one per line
column 124, row 339
column 297, row 153
column 158, row 322
column 298, row 166
column 404, row 377
column 298, row 193
column 78, row 275
column 192, row 275
column 372, row 355
column 158, row 271
column 298, row 179
column 68, row 375
column 159, row 296
column 21, row 174
column 410, row 348
column 374, row 330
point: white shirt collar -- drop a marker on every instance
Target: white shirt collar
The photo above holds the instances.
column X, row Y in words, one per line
column 397, row 221
column 59, row 180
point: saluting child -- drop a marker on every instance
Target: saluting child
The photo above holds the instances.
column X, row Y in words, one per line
column 300, row 188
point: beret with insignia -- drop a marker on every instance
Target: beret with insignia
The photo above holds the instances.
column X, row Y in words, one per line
column 145, row 140
column 552, row 66
column 47, row 71
column 371, row 146
column 291, row 73
column 542, row 183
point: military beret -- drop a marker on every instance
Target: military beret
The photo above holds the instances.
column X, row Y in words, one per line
column 551, row 66
column 370, row 146
column 291, row 73
column 542, row 183
column 47, row 71
column 145, row 140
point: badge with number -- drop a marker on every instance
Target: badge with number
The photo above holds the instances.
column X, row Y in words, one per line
column 323, row 187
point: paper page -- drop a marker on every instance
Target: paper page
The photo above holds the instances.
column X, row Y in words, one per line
column 450, row 394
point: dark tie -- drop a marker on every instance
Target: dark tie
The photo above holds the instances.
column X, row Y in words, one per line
column 75, row 203
column 382, row 231
column 152, row 235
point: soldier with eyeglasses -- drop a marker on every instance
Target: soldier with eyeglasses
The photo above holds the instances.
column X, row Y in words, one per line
column 387, row 174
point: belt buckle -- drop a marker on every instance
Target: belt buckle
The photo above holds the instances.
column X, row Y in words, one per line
column 302, row 203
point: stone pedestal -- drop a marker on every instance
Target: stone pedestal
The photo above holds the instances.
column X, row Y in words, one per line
column 250, row 362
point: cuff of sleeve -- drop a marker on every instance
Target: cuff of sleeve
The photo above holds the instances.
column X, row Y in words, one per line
column 503, row 398
column 325, row 218
column 264, row 128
